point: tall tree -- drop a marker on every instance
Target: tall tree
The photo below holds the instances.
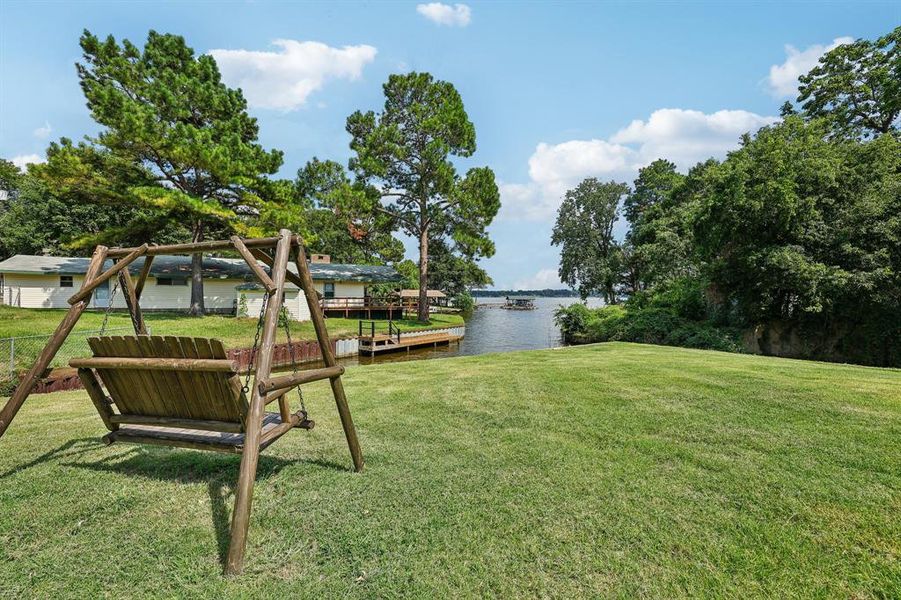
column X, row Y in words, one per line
column 857, row 86
column 590, row 257
column 167, row 111
column 405, row 153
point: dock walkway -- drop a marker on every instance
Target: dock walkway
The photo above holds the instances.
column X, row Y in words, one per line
column 380, row 342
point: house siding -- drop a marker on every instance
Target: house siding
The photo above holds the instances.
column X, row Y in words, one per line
column 295, row 300
column 220, row 295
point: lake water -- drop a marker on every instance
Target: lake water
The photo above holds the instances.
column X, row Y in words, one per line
column 494, row 330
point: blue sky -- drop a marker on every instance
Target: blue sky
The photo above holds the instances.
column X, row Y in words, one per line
column 557, row 92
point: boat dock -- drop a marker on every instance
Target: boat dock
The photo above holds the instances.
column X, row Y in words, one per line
column 394, row 339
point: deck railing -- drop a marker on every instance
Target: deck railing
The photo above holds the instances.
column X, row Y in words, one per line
column 359, row 302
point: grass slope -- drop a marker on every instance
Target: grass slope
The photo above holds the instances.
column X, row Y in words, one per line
column 612, row 470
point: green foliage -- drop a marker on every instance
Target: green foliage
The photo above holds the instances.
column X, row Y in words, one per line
column 653, row 325
column 242, row 310
column 166, row 112
column 795, row 224
column 405, row 154
column 451, row 273
column 658, row 245
column 69, row 204
column 464, row 301
column 590, row 257
column 857, row 86
column 408, row 269
column 341, row 223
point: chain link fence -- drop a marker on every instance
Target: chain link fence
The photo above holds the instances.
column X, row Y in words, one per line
column 17, row 354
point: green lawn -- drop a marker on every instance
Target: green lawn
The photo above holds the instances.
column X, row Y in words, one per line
column 231, row 330
column 234, row 332
column 606, row 470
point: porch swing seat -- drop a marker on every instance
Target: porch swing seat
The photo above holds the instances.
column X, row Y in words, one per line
column 174, row 391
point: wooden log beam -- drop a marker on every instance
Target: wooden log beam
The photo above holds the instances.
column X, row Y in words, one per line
column 87, row 289
column 95, row 393
column 142, row 278
column 157, row 364
column 268, row 260
column 251, row 261
column 208, row 246
column 204, row 425
column 250, row 457
column 293, row 420
column 131, row 301
column 308, row 376
column 56, row 340
column 328, row 357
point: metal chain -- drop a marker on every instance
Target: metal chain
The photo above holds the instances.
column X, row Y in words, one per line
column 109, row 308
column 256, row 343
column 291, row 354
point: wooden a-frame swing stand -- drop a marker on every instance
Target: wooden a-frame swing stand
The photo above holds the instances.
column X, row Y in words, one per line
column 184, row 391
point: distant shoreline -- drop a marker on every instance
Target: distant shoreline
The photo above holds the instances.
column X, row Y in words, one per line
column 547, row 293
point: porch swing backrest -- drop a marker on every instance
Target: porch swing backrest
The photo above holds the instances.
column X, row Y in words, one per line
column 188, row 394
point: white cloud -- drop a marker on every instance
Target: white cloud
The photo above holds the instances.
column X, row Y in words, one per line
column 284, row 79
column 543, row 279
column 682, row 136
column 444, row 14
column 26, row 159
column 783, row 79
column 44, row 131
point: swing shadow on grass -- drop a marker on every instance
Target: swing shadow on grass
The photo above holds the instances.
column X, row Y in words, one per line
column 218, row 471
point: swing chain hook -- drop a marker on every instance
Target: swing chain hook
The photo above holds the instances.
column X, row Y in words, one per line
column 109, row 308
column 256, row 344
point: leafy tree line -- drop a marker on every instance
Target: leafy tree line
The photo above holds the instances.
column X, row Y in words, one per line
column 791, row 245
column 178, row 159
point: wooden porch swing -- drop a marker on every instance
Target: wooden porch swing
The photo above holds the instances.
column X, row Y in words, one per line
column 184, row 392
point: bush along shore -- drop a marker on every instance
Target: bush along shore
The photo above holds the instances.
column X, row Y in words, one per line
column 682, row 314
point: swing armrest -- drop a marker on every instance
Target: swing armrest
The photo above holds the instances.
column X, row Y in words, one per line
column 290, row 381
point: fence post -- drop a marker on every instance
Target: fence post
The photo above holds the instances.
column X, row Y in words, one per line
column 12, row 355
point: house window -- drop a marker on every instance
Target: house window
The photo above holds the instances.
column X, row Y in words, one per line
column 171, row 281
column 328, row 290
column 65, row 281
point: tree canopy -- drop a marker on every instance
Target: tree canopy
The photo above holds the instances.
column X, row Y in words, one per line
column 857, row 86
column 166, row 111
column 590, row 256
column 405, row 153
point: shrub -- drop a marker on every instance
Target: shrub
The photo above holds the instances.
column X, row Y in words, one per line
column 650, row 325
column 464, row 302
column 573, row 321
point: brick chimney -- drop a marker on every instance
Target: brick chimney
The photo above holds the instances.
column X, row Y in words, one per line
column 320, row 258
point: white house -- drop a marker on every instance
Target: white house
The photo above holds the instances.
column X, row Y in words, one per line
column 29, row 281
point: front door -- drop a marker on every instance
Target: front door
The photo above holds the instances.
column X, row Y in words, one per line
column 101, row 295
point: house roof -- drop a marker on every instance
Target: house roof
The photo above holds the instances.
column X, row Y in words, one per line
column 213, row 268
column 429, row 294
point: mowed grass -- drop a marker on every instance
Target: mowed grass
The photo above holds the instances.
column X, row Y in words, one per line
column 607, row 470
column 234, row 332
column 16, row 322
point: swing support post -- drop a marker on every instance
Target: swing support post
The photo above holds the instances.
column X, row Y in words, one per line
column 23, row 390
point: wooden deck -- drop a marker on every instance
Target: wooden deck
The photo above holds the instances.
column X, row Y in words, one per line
column 373, row 344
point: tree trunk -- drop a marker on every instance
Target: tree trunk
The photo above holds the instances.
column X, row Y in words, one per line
column 423, row 309
column 197, row 307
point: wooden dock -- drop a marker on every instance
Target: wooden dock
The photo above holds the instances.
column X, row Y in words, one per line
column 373, row 344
